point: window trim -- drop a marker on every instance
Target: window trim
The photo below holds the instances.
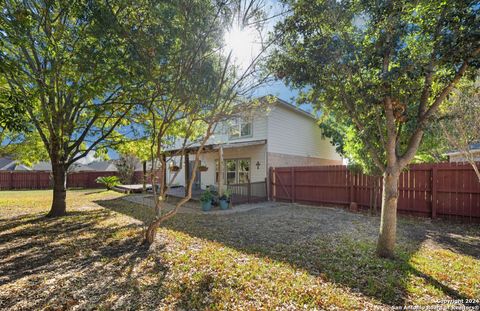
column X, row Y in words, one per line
column 237, row 171
column 240, row 122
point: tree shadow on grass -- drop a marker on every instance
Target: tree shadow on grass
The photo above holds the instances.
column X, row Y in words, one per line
column 329, row 243
column 80, row 260
column 96, row 192
column 91, row 259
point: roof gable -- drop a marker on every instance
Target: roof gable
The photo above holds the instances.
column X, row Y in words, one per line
column 6, row 162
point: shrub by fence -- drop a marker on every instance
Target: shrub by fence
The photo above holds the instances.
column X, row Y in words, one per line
column 10, row 180
column 448, row 190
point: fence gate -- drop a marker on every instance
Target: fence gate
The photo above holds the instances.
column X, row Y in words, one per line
column 449, row 190
column 282, row 184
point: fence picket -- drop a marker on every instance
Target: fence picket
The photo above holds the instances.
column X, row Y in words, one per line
column 445, row 189
column 42, row 180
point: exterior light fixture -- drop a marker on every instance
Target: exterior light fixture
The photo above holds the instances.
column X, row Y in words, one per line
column 257, row 165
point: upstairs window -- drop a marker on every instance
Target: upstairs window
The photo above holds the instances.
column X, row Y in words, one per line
column 240, row 128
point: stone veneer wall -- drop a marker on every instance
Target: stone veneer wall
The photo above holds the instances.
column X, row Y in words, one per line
column 282, row 160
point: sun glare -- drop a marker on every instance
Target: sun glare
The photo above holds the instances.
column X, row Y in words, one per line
column 244, row 44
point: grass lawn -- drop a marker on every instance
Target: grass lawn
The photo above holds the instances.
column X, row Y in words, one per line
column 275, row 257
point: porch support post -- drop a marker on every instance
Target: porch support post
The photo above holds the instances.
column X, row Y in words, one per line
column 164, row 173
column 187, row 172
column 144, row 177
column 220, row 170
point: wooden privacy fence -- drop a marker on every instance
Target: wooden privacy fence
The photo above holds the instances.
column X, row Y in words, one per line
column 42, row 179
column 447, row 190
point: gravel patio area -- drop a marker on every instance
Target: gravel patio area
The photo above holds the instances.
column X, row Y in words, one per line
column 274, row 223
column 193, row 207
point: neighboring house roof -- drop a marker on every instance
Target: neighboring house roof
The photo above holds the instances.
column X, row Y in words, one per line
column 106, row 166
column 475, row 147
column 46, row 166
column 10, row 164
column 21, row 167
column 6, row 163
column 77, row 167
column 42, row 166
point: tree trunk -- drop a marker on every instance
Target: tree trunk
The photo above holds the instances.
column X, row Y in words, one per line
column 59, row 204
column 388, row 218
column 220, row 171
column 153, row 227
column 144, row 178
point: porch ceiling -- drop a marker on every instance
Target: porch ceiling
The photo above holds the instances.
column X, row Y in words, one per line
column 215, row 147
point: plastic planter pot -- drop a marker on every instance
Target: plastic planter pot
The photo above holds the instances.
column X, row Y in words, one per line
column 224, row 204
column 206, row 205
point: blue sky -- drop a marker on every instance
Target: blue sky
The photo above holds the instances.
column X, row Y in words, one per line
column 244, row 46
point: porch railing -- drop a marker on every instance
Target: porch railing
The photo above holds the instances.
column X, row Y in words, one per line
column 248, row 192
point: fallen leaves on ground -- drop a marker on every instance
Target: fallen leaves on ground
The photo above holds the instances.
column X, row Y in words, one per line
column 279, row 256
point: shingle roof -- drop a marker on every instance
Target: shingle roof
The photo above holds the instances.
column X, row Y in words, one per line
column 5, row 161
column 106, row 166
column 473, row 147
column 42, row 166
column 21, row 167
column 77, row 167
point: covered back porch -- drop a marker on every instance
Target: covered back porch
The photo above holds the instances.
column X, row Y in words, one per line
column 239, row 167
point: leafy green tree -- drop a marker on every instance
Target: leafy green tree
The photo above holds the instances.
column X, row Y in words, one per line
column 66, row 59
column 12, row 118
column 461, row 121
column 126, row 165
column 188, row 84
column 383, row 66
column 348, row 144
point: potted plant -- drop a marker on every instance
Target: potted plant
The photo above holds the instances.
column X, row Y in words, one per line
column 203, row 168
column 206, row 200
column 224, row 200
column 174, row 168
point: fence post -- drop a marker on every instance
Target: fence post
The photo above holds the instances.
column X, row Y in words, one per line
column 350, row 180
column 434, row 191
column 11, row 180
column 292, row 184
column 267, row 194
column 273, row 184
column 268, row 183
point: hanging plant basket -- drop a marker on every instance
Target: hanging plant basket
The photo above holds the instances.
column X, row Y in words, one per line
column 203, row 168
column 174, row 168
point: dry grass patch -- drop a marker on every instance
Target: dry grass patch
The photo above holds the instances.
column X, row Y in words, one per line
column 283, row 257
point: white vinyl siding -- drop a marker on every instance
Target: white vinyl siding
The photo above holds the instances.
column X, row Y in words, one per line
column 258, row 131
column 292, row 133
column 288, row 133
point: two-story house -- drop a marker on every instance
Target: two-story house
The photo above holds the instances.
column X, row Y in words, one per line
column 283, row 136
